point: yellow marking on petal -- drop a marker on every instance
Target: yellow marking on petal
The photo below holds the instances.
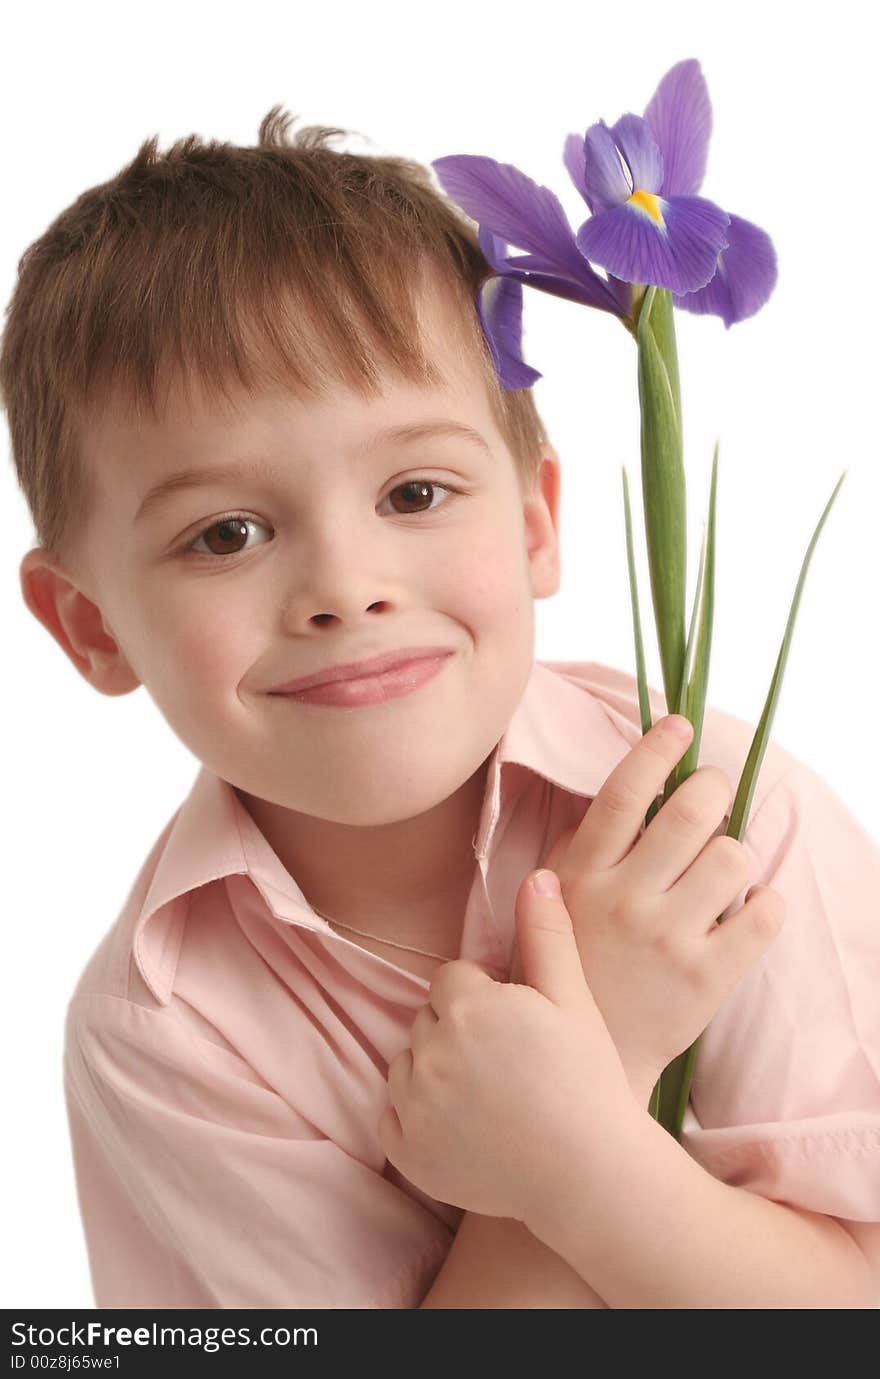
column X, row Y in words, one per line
column 649, row 204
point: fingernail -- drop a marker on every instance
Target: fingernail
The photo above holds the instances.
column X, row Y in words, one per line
column 547, row 883
column 681, row 726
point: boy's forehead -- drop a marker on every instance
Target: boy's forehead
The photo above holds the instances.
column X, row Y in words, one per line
column 133, row 453
column 195, row 415
column 191, row 409
column 203, row 420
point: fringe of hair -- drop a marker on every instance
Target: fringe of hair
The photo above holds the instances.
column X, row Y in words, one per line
column 290, row 263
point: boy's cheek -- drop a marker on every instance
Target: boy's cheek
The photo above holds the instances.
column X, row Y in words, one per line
column 492, row 577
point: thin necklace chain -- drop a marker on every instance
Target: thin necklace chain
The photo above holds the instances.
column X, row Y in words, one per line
column 408, row 947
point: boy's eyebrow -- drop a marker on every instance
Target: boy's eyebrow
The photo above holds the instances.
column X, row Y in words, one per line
column 216, row 473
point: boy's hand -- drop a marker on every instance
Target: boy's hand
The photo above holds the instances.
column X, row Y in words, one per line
column 510, row 1095
column 643, row 908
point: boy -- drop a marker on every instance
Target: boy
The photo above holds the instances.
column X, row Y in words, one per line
column 279, row 347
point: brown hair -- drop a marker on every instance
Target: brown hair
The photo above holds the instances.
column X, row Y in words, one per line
column 190, row 258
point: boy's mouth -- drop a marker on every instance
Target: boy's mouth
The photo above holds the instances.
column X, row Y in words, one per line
column 357, row 670
column 355, row 691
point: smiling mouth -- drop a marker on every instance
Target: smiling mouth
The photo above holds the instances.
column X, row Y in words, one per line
column 402, row 679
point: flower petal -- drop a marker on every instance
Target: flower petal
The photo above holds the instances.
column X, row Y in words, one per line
column 679, row 253
column 745, row 277
column 513, row 206
column 634, row 138
column 499, row 303
column 680, row 118
column 606, row 180
column 623, row 292
column 573, row 158
column 495, row 250
column 537, row 270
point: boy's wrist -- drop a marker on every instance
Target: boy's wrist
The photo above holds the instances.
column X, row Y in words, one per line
column 586, row 1167
column 642, row 1087
column 642, row 1082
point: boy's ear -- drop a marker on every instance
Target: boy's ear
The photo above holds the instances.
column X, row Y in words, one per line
column 541, row 512
column 76, row 623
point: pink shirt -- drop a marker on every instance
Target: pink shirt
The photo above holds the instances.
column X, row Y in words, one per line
column 226, row 1050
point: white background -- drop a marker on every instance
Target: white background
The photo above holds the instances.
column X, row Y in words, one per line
column 790, row 393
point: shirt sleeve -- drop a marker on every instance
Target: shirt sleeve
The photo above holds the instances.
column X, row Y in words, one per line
column 199, row 1186
column 785, row 1099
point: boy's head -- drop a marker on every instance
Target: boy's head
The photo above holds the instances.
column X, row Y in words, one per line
column 270, row 311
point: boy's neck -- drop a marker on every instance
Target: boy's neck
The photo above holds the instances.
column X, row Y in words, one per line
column 408, row 881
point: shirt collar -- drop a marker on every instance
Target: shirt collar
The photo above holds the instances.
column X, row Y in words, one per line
column 562, row 730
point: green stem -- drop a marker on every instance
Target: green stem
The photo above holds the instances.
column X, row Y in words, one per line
column 685, row 665
column 663, row 480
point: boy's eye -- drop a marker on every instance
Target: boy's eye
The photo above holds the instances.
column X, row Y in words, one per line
column 233, row 528
column 229, row 529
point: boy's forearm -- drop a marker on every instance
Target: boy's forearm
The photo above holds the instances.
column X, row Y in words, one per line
column 650, row 1228
column 497, row 1263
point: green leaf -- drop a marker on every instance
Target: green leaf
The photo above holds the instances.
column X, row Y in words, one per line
column 749, row 779
column 692, row 702
column 670, row 1096
column 641, row 674
column 644, row 699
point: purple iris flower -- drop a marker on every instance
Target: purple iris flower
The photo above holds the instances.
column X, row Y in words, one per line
column 646, row 227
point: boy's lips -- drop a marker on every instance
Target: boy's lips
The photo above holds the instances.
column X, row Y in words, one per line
column 353, row 670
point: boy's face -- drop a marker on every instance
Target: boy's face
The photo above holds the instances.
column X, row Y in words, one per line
column 335, row 564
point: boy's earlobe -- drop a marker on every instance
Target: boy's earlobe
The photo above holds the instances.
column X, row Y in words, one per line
column 76, row 623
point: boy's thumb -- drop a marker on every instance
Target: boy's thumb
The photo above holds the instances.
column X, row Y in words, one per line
column 548, row 953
